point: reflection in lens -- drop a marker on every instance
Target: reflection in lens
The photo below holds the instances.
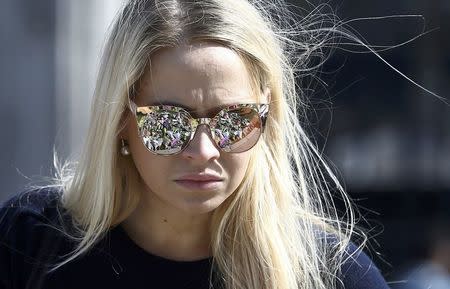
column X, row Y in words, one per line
column 237, row 130
column 164, row 129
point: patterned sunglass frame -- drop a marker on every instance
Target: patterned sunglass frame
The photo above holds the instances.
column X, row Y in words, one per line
column 191, row 124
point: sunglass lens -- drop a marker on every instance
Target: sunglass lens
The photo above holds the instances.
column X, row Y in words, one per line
column 237, row 129
column 164, row 130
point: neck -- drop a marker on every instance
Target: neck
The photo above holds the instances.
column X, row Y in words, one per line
column 169, row 232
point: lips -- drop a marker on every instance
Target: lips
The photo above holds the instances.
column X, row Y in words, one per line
column 203, row 182
column 200, row 178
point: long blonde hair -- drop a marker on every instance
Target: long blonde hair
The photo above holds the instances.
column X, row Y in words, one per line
column 280, row 229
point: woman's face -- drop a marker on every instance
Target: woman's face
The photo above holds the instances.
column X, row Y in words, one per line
column 201, row 77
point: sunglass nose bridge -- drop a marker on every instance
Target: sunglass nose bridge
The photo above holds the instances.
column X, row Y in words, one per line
column 204, row 120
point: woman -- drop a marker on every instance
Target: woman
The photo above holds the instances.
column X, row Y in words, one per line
column 195, row 172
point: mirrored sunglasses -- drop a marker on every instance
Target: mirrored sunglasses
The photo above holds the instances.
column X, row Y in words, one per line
column 167, row 129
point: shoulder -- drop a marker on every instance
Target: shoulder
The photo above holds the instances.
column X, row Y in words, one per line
column 29, row 232
column 27, row 215
column 28, row 209
column 359, row 271
column 31, row 200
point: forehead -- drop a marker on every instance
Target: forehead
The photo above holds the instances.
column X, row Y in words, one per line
column 201, row 77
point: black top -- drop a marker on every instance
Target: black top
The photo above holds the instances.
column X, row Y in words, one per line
column 28, row 243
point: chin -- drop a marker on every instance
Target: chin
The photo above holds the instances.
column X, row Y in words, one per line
column 198, row 206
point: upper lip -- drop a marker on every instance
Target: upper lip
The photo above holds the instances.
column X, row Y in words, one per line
column 199, row 177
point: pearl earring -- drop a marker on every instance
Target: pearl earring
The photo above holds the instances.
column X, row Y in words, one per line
column 124, row 150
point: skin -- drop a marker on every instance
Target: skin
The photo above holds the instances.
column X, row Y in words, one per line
column 172, row 221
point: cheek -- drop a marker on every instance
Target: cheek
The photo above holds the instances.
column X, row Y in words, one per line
column 155, row 172
column 151, row 167
column 236, row 166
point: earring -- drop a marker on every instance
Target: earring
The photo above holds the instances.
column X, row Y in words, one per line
column 124, row 150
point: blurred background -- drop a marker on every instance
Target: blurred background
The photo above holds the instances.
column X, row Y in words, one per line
column 389, row 139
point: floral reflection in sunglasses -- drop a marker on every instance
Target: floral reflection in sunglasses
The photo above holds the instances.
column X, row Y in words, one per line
column 168, row 129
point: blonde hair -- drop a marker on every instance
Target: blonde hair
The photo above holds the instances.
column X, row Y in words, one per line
column 280, row 229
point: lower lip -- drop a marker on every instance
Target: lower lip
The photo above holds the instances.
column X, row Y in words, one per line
column 198, row 185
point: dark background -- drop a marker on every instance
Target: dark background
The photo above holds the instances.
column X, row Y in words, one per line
column 388, row 138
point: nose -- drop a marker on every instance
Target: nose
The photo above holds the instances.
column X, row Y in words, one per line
column 201, row 147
